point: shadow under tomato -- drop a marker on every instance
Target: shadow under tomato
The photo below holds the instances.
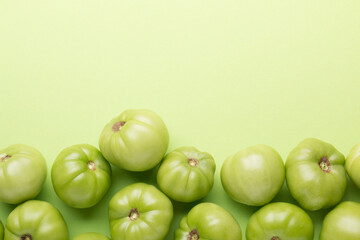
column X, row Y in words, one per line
column 284, row 195
column 122, row 178
column 180, row 210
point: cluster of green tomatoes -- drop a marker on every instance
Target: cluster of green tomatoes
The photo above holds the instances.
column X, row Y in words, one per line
column 137, row 140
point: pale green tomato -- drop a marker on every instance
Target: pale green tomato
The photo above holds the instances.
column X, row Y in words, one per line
column 136, row 140
column 208, row 221
column 91, row 236
column 343, row 222
column 140, row 212
column 22, row 173
column 81, row 176
column 280, row 221
column 1, row 231
column 315, row 174
column 35, row 220
column 352, row 164
column 186, row 174
column 254, row 175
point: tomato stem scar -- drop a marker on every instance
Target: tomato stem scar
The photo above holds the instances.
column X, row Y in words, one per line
column 134, row 214
column 91, row 165
column 193, row 162
column 118, row 125
column 324, row 164
column 4, row 156
column 193, row 235
column 26, row 237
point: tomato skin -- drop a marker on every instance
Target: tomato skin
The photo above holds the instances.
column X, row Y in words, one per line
column 140, row 212
column 81, row 176
column 22, row 173
column 37, row 219
column 208, row 221
column 343, row 222
column 1, row 231
column 136, row 140
column 254, row 175
column 315, row 174
column 283, row 220
column 90, row 236
column 186, row 174
column 352, row 164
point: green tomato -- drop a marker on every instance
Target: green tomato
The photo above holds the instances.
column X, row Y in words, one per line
column 315, row 174
column 343, row 222
column 280, row 221
column 136, row 140
column 208, row 221
column 186, row 174
column 1, row 231
column 91, row 236
column 81, row 176
column 140, row 212
column 35, row 220
column 254, row 175
column 22, row 173
column 352, row 164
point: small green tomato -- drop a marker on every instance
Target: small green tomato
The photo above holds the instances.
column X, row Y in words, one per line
column 140, row 212
column 22, row 173
column 81, row 176
column 352, row 164
column 186, row 174
column 343, row 222
column 136, row 140
column 208, row 221
column 254, row 175
column 35, row 220
column 280, row 221
column 91, row 236
column 315, row 174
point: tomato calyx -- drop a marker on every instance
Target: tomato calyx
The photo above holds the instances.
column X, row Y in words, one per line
column 26, row 237
column 193, row 235
column 4, row 156
column 91, row 165
column 134, row 214
column 118, row 125
column 275, row 238
column 325, row 165
column 193, row 162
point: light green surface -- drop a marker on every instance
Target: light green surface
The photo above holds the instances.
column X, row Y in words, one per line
column 223, row 75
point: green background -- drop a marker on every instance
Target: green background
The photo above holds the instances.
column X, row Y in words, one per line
column 223, row 75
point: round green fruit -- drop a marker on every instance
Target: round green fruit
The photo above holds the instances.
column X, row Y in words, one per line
column 35, row 220
column 343, row 222
column 280, row 221
column 315, row 174
column 136, row 140
column 352, row 164
column 22, row 173
column 81, row 176
column 140, row 212
column 208, row 221
column 186, row 174
column 254, row 175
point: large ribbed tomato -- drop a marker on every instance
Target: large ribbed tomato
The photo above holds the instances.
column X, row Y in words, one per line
column 186, row 174
column 315, row 174
column 22, row 173
column 136, row 140
column 140, row 212
column 81, row 176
